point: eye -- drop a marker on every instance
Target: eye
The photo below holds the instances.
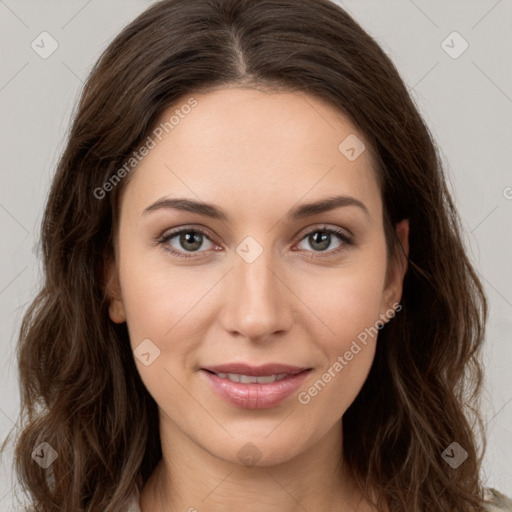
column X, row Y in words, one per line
column 191, row 240
column 320, row 239
column 187, row 239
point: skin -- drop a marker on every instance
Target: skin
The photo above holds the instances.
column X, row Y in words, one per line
column 256, row 155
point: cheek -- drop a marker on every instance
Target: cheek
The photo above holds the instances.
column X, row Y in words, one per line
column 162, row 309
column 347, row 350
column 159, row 297
column 347, row 309
column 336, row 386
column 345, row 300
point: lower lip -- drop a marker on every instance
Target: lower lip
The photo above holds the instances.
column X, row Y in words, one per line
column 254, row 395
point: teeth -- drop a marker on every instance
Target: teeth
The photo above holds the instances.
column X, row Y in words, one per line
column 251, row 379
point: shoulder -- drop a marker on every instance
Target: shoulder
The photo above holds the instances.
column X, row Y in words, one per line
column 496, row 502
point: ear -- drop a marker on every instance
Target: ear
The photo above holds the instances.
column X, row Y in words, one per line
column 397, row 267
column 116, row 309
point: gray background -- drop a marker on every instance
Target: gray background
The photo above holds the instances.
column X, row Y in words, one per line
column 466, row 101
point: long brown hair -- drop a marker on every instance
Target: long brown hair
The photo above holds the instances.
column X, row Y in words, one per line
column 80, row 389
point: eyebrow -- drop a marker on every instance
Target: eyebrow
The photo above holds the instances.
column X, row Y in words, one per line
column 297, row 213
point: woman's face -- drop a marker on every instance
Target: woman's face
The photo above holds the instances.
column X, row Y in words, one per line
column 263, row 283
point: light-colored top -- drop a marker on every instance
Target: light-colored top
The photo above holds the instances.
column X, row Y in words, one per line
column 495, row 501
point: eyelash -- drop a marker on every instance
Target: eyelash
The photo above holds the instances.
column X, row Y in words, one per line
column 346, row 239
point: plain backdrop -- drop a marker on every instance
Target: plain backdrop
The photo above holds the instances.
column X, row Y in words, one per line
column 465, row 99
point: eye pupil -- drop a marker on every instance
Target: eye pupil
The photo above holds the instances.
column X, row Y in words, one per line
column 324, row 239
column 194, row 239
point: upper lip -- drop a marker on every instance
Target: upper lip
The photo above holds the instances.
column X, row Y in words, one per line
column 247, row 369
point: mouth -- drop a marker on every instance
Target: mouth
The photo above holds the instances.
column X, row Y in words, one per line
column 254, row 387
column 248, row 370
column 251, row 379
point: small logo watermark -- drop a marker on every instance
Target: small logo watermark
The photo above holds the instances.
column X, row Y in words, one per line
column 351, row 147
column 44, row 45
column 249, row 249
column 454, row 45
column 454, row 455
column 146, row 352
column 249, row 454
column 45, row 455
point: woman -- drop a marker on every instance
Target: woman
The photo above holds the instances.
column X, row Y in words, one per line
column 193, row 348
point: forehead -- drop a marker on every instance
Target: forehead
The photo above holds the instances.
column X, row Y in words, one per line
column 256, row 150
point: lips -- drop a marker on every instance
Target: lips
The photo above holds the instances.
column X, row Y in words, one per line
column 255, row 371
column 254, row 387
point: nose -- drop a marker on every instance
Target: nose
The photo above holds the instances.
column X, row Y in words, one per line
column 258, row 303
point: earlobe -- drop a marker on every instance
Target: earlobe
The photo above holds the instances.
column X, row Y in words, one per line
column 116, row 309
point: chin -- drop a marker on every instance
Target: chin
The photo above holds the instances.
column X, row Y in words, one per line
column 252, row 449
